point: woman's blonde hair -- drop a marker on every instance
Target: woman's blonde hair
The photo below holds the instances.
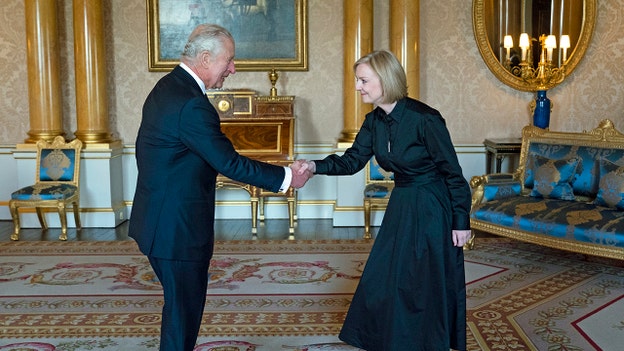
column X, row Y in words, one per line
column 390, row 72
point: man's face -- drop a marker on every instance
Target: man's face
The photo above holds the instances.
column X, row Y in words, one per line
column 220, row 66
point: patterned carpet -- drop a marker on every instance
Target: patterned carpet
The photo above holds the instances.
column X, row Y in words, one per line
column 293, row 296
column 537, row 298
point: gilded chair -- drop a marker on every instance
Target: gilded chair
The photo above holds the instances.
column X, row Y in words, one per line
column 56, row 184
column 379, row 185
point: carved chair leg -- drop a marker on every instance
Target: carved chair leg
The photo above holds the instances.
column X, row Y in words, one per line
column 77, row 215
column 367, row 214
column 41, row 217
column 16, row 222
column 63, row 218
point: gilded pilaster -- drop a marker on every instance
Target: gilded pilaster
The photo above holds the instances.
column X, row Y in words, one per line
column 44, row 86
column 358, row 41
column 404, row 34
column 90, row 65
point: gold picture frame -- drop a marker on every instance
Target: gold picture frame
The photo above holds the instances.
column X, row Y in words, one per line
column 269, row 34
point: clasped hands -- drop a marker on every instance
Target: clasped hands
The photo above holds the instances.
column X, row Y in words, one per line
column 302, row 170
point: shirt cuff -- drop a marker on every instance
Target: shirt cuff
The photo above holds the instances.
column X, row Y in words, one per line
column 287, row 180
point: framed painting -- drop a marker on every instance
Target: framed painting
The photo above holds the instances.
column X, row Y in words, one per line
column 269, row 34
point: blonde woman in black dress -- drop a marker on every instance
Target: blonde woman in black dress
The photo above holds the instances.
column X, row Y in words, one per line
column 412, row 292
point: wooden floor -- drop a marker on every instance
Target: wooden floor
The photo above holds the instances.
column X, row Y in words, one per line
column 230, row 229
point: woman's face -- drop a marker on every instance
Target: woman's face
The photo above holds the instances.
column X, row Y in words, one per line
column 368, row 84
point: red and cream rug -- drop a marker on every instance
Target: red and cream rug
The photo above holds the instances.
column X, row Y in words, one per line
column 292, row 296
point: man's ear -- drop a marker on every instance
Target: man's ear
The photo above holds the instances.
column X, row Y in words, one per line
column 206, row 58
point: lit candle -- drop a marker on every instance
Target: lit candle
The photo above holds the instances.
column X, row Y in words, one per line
column 551, row 43
column 565, row 45
column 508, row 44
column 524, row 44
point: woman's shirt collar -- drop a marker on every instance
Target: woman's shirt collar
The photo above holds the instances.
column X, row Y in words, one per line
column 396, row 112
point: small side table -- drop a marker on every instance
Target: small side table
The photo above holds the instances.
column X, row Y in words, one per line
column 499, row 149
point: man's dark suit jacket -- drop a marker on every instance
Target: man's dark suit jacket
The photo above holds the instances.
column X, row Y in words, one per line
column 180, row 149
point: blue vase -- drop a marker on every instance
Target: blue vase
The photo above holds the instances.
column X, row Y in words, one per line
column 541, row 115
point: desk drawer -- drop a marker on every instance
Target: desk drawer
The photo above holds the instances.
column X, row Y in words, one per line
column 274, row 109
column 263, row 139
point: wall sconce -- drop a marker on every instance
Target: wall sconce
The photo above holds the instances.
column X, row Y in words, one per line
column 544, row 75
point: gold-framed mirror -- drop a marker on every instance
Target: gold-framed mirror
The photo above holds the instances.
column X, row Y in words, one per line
column 492, row 20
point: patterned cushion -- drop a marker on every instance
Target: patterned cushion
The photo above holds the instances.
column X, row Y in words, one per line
column 501, row 190
column 553, row 178
column 44, row 191
column 554, row 152
column 611, row 186
column 586, row 183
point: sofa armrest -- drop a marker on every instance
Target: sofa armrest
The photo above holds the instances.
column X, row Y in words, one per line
column 494, row 186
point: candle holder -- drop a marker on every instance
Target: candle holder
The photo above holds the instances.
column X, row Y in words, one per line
column 542, row 77
column 545, row 75
column 273, row 76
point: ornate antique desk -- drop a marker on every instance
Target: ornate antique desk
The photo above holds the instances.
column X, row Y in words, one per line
column 262, row 128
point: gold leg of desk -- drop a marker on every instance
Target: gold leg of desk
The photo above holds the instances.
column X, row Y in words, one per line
column 291, row 217
column 254, row 216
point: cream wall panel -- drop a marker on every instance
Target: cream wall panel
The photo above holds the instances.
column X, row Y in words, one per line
column 14, row 82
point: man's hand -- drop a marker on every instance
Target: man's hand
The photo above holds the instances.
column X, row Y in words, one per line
column 300, row 177
column 461, row 237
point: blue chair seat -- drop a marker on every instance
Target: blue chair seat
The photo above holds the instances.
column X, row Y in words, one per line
column 45, row 192
column 378, row 191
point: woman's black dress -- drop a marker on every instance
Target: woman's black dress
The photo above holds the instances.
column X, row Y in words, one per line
column 412, row 292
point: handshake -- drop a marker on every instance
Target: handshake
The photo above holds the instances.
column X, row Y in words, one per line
column 302, row 170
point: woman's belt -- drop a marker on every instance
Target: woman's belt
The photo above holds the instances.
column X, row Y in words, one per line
column 405, row 181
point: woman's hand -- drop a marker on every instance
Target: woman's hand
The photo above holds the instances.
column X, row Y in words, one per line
column 461, row 237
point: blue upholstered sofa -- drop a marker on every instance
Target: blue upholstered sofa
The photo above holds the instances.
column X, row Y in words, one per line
column 567, row 193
